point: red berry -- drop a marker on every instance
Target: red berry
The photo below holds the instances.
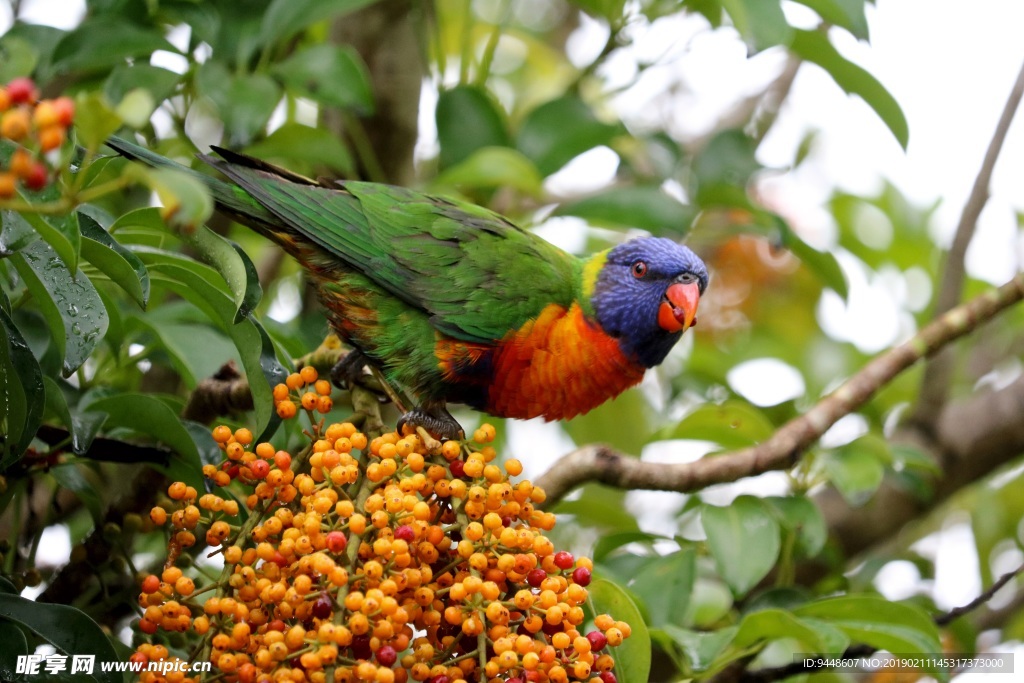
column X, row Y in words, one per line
column 581, row 575
column 146, row 626
column 151, row 584
column 337, row 541
column 37, row 177
column 387, row 656
column 65, row 110
column 361, row 647
column 322, row 607
column 22, row 91
column 458, row 468
column 442, row 678
column 564, row 559
column 608, row 677
column 259, row 468
column 405, row 533
column 535, row 576
column 597, row 640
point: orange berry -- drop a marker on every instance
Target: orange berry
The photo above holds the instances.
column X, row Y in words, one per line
column 151, row 584
column 15, row 124
column 324, row 405
column 45, row 115
column 322, row 387
column 286, row 410
column 280, row 392
column 8, row 185
column 243, row 436
column 294, row 381
column 177, row 490
column 222, row 433
column 51, row 137
column 158, row 515
column 308, row 374
column 5, row 100
column 65, row 108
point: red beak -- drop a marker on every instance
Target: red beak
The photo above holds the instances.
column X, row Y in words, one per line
column 678, row 310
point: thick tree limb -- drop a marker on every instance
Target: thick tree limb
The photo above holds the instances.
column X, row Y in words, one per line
column 939, row 371
column 784, row 447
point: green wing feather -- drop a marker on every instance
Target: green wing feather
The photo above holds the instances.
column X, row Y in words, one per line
column 474, row 273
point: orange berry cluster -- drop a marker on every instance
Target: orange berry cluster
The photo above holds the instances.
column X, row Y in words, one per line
column 37, row 126
column 373, row 559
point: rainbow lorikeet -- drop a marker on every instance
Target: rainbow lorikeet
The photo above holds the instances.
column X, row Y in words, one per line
column 456, row 303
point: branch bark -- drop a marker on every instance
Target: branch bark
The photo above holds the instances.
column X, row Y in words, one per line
column 785, row 446
column 939, row 371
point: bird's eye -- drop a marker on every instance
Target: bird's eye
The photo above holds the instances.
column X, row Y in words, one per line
column 639, row 269
column 687, row 278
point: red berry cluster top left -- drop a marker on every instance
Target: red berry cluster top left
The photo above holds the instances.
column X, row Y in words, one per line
column 37, row 127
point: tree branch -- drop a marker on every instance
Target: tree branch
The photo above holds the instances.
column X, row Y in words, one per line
column 939, row 371
column 784, row 447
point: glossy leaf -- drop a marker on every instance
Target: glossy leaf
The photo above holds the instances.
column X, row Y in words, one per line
column 74, row 478
column 146, row 414
column 116, row 262
column 196, row 351
column 492, row 167
column 645, row 207
column 857, row 469
column 761, row 22
column 83, row 427
column 71, row 306
column 557, row 131
column 633, row 657
column 665, row 583
column 701, row 648
column 733, row 424
column 15, row 644
column 875, row 621
column 334, row 75
column 846, row 13
column 160, row 83
column 608, row 543
column 233, row 264
column 773, row 624
column 286, row 17
column 468, row 118
column 744, row 540
column 15, row 232
column 801, row 516
column 186, row 201
column 294, row 142
column 68, row 629
column 21, row 392
column 246, row 106
column 102, row 42
column 814, row 46
column 198, row 284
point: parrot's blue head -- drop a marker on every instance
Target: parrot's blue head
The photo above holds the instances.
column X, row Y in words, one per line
column 646, row 296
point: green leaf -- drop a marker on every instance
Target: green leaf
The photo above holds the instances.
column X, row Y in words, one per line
column 822, row 264
column 286, row 17
column 814, row 47
column 644, row 206
column 873, row 620
column 136, row 107
column 665, row 584
column 245, row 103
column 857, row 469
column 15, row 644
column 633, row 657
column 701, row 648
column 610, row 542
column 186, row 201
column 468, row 118
column 160, row 83
column 71, row 306
column 610, row 10
column 146, row 414
column 15, row 232
column 801, row 516
column 296, row 142
column 72, row 477
column 761, row 22
column 334, row 75
column 196, row 351
column 604, row 423
column 68, row 629
column 733, row 424
column 198, row 284
column 744, row 540
column 102, row 42
column 83, row 427
column 559, row 130
column 95, row 120
column 492, row 167
column 235, row 267
column 17, row 58
column 773, row 624
column 723, row 168
column 846, row 13
column 21, row 392
column 108, row 256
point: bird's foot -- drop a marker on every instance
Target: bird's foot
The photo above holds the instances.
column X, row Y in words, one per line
column 435, row 419
column 350, row 371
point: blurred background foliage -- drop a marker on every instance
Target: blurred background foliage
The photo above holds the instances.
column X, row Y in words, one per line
column 110, row 319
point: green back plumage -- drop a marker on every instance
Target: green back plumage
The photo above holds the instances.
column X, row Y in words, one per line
column 475, row 274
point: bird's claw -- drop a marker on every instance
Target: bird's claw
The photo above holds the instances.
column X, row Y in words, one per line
column 349, row 372
column 436, row 420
